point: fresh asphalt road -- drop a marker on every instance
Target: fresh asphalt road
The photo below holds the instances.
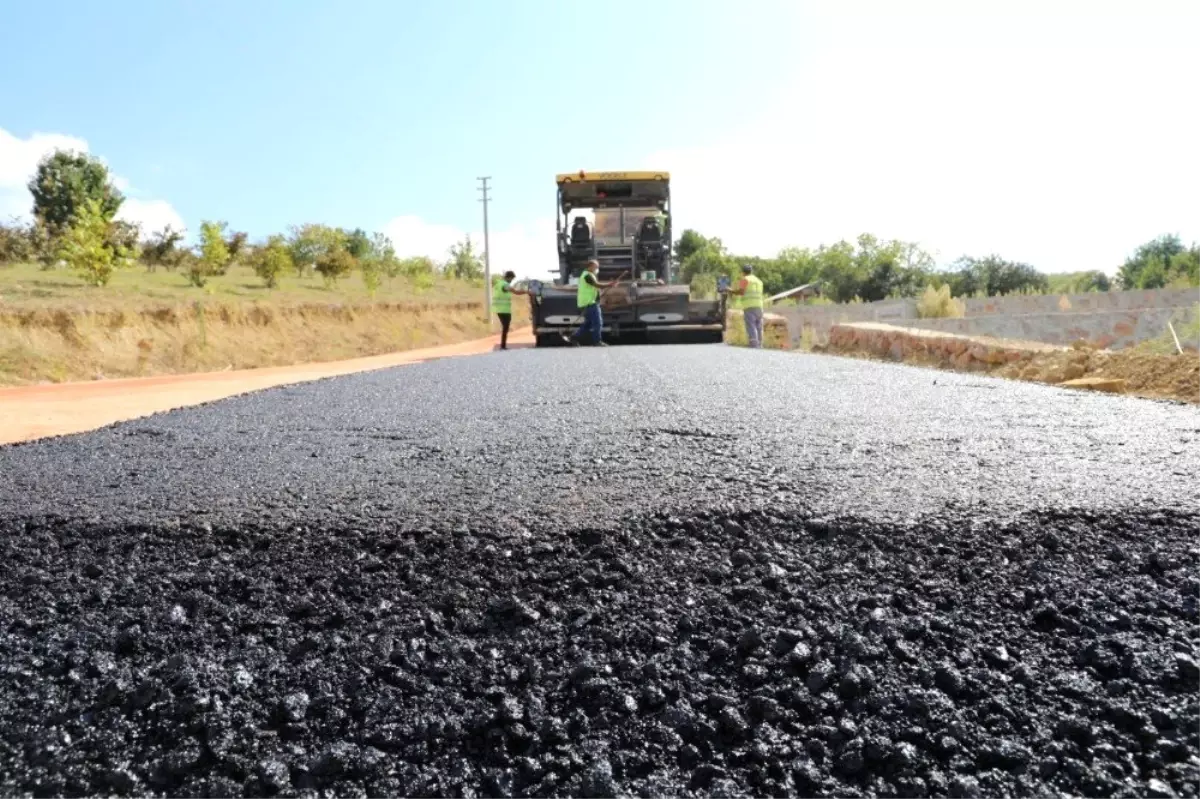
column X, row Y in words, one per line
column 589, row 436
column 645, row 569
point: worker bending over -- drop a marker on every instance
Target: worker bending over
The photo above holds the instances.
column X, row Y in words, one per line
column 588, row 301
column 749, row 293
column 502, row 294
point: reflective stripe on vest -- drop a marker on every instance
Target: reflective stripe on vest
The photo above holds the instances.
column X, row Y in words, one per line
column 501, row 299
column 753, row 296
column 588, row 294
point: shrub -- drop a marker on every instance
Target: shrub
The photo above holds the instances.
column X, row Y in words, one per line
column 703, row 286
column 373, row 270
column 16, row 243
column 938, row 304
column 412, row 267
column 422, row 282
column 197, row 271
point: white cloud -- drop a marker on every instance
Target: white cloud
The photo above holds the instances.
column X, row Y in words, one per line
column 412, row 236
column 18, row 163
column 527, row 249
column 1064, row 141
column 151, row 215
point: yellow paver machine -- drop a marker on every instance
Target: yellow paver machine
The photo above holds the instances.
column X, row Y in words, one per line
column 629, row 234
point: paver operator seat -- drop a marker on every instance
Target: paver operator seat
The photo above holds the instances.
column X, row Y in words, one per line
column 650, row 243
column 581, row 237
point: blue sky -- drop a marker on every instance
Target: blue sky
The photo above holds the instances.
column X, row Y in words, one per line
column 1002, row 127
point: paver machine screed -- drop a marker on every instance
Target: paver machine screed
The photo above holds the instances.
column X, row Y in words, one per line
column 630, row 237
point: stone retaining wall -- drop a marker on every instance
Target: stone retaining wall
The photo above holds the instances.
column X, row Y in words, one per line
column 901, row 343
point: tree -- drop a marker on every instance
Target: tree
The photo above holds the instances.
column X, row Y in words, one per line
column 88, row 246
column 994, row 276
column 836, row 271
column 464, row 263
column 1147, row 268
column 125, row 236
column 701, row 261
column 1079, row 282
column 691, row 242
column 271, row 260
column 358, row 243
column 382, row 249
column 309, row 242
column 65, row 181
column 235, row 243
column 377, row 260
column 1093, row 280
column 333, row 264
column 162, row 249
column 214, row 254
column 1160, row 262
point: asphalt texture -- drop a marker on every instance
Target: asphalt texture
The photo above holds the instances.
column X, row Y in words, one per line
column 644, row 571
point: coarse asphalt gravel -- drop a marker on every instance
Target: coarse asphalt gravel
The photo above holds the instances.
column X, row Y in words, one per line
column 646, row 571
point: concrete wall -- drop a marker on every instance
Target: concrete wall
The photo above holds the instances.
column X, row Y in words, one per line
column 818, row 319
column 1113, row 319
column 1082, row 303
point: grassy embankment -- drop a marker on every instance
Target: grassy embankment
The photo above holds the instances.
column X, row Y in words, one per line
column 54, row 328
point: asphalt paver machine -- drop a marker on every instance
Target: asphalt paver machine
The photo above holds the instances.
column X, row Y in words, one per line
column 629, row 235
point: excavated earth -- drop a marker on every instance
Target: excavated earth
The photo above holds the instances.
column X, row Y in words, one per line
column 646, row 571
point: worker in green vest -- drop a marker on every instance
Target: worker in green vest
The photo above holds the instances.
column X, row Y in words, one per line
column 749, row 292
column 502, row 294
column 587, row 300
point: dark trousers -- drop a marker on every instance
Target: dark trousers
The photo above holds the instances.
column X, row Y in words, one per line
column 505, row 321
column 593, row 322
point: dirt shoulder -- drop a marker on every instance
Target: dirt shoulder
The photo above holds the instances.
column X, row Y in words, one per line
column 31, row 412
column 1144, row 374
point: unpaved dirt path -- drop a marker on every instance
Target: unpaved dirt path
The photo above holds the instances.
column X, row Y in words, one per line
column 31, row 412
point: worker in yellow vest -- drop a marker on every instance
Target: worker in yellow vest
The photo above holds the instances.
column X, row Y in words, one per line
column 749, row 293
column 587, row 300
column 502, row 294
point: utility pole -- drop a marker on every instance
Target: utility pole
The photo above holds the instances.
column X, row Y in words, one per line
column 487, row 257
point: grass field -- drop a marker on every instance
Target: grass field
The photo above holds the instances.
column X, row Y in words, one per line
column 28, row 286
column 54, row 328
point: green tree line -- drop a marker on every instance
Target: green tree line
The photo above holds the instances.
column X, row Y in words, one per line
column 75, row 205
column 871, row 269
